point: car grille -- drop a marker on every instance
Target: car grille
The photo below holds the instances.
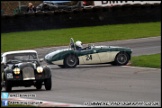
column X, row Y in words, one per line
column 28, row 73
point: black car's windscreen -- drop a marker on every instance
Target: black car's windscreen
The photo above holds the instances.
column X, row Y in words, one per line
column 22, row 57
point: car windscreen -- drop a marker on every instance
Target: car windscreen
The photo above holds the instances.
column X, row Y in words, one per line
column 22, row 57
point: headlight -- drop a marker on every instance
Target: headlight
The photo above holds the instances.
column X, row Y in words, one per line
column 39, row 69
column 16, row 71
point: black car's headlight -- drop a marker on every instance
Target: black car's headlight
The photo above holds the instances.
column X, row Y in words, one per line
column 39, row 69
column 16, row 70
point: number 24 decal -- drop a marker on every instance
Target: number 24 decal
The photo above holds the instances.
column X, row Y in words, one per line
column 88, row 57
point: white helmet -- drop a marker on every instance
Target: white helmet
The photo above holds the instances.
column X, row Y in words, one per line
column 79, row 44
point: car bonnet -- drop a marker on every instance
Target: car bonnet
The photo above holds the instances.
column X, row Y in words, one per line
column 50, row 55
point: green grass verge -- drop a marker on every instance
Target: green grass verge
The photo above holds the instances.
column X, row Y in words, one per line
column 153, row 61
column 45, row 38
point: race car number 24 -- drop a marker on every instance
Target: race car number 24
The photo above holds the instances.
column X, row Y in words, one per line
column 88, row 57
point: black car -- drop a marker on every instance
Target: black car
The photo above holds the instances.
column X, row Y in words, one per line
column 22, row 68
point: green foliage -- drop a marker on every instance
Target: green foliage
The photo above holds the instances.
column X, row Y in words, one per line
column 153, row 61
column 46, row 38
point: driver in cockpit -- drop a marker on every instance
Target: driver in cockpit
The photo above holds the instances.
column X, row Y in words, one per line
column 79, row 46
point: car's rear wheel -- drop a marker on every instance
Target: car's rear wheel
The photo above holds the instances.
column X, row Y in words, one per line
column 38, row 85
column 71, row 61
column 121, row 59
column 48, row 84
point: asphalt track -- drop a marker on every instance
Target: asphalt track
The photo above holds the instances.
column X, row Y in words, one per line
column 103, row 84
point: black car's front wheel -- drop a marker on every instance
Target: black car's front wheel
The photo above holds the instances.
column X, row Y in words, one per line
column 121, row 59
column 71, row 61
column 48, row 84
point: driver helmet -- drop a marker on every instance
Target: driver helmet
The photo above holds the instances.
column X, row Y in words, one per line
column 79, row 44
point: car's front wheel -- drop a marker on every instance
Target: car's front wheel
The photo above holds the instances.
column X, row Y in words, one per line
column 121, row 59
column 71, row 61
column 48, row 84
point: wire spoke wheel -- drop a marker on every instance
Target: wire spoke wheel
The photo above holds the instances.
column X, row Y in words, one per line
column 122, row 59
column 71, row 61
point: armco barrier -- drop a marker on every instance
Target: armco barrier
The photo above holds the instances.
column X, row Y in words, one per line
column 79, row 18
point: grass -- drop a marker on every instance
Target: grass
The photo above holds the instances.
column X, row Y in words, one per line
column 153, row 61
column 46, row 38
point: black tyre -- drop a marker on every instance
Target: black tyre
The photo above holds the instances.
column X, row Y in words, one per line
column 48, row 84
column 38, row 85
column 7, row 86
column 121, row 59
column 71, row 61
